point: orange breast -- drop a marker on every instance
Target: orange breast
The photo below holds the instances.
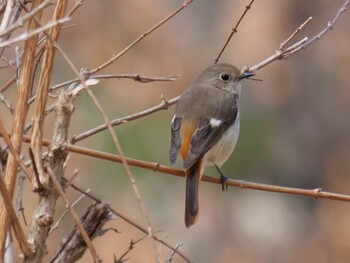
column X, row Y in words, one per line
column 188, row 127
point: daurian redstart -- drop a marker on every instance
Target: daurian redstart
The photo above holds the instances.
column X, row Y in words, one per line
column 205, row 128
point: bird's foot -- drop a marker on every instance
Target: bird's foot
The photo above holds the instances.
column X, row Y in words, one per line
column 223, row 179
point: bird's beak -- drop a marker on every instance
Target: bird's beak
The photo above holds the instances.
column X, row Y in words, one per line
column 246, row 75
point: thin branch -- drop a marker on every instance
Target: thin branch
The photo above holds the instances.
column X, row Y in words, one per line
column 162, row 106
column 74, row 216
column 136, row 77
column 115, row 57
column 35, row 32
column 115, row 141
column 25, row 18
column 72, row 247
column 19, row 196
column 305, row 42
column 78, row 3
column 7, row 15
column 170, row 258
column 131, row 222
column 8, row 83
column 131, row 247
column 21, row 110
column 156, row 167
column 43, row 89
column 285, row 42
column 7, row 104
column 56, row 225
column 330, row 26
column 234, row 30
column 13, row 151
column 25, row 248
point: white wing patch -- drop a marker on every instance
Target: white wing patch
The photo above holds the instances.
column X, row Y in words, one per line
column 215, row 122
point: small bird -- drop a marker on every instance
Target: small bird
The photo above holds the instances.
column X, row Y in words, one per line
column 205, row 128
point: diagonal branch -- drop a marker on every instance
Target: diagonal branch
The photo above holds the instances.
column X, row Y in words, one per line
column 26, row 17
column 302, row 44
column 115, row 141
column 162, row 106
column 24, row 246
column 156, row 26
column 79, row 226
column 131, row 222
column 234, row 30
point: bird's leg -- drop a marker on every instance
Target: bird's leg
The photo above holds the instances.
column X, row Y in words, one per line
column 223, row 178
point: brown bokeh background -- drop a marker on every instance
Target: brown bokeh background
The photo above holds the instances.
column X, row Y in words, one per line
column 294, row 130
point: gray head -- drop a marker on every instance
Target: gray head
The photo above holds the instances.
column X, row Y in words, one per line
column 223, row 76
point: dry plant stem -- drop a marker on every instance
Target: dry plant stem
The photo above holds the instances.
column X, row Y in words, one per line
column 78, row 3
column 115, row 141
column 16, row 11
column 329, row 27
column 73, row 246
column 153, row 166
column 81, row 230
column 27, row 35
column 131, row 222
column 8, row 83
column 234, row 30
column 162, row 106
column 13, row 151
column 131, row 247
column 315, row 193
column 17, row 229
column 136, row 77
column 56, row 225
column 26, row 17
column 7, row 104
column 42, row 92
column 285, row 42
column 21, row 110
column 7, row 15
column 115, row 57
column 291, row 50
column 54, row 162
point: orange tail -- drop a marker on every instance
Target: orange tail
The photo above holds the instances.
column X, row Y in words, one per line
column 193, row 177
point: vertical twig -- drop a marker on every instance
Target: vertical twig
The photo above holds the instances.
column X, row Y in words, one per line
column 42, row 92
column 17, row 229
column 21, row 110
column 43, row 213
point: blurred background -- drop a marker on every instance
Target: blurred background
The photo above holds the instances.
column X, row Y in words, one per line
column 295, row 129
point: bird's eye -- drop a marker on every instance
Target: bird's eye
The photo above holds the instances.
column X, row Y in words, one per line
column 225, row 77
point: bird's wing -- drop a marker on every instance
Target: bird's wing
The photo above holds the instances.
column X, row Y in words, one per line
column 175, row 139
column 208, row 132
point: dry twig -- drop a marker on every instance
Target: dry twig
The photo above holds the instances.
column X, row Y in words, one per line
column 73, row 246
column 115, row 57
column 131, row 222
column 26, row 17
column 234, row 30
column 136, row 77
column 21, row 110
column 81, row 230
column 296, row 47
column 153, row 166
column 162, row 106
